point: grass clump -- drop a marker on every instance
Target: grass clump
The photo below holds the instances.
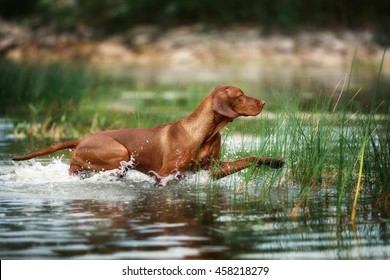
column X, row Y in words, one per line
column 47, row 95
column 53, row 85
column 51, row 97
column 328, row 150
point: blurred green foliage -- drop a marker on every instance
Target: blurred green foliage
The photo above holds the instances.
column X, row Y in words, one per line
column 42, row 85
column 107, row 16
column 18, row 8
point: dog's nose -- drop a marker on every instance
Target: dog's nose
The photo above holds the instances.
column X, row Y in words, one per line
column 261, row 103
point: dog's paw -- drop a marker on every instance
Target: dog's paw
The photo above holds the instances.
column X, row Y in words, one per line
column 277, row 163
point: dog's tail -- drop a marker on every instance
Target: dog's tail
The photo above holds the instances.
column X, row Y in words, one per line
column 56, row 147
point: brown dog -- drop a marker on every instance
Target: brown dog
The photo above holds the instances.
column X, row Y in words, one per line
column 190, row 144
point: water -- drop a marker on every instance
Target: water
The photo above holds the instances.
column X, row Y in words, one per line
column 46, row 214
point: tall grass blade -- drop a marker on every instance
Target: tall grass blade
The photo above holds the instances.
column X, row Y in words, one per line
column 340, row 181
column 357, row 191
column 378, row 81
column 367, row 136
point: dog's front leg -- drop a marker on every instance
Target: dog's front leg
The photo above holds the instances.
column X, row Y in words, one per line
column 224, row 169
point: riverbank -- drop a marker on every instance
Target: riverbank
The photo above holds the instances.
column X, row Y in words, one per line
column 192, row 47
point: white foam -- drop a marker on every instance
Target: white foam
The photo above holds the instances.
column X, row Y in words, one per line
column 52, row 179
column 34, row 172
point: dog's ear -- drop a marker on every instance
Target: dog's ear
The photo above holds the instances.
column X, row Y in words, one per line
column 221, row 103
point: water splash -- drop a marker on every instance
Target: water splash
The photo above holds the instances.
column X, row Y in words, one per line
column 34, row 172
column 50, row 178
column 40, row 172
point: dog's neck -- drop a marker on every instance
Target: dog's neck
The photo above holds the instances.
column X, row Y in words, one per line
column 204, row 123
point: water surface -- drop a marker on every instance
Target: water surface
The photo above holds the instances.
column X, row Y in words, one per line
column 46, row 214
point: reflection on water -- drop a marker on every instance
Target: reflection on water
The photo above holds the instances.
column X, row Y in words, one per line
column 44, row 213
column 136, row 222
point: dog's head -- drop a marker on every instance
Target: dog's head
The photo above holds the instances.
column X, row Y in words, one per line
column 231, row 102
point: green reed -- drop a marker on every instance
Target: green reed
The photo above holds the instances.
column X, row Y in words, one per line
column 50, row 85
column 46, row 94
column 378, row 156
column 323, row 149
